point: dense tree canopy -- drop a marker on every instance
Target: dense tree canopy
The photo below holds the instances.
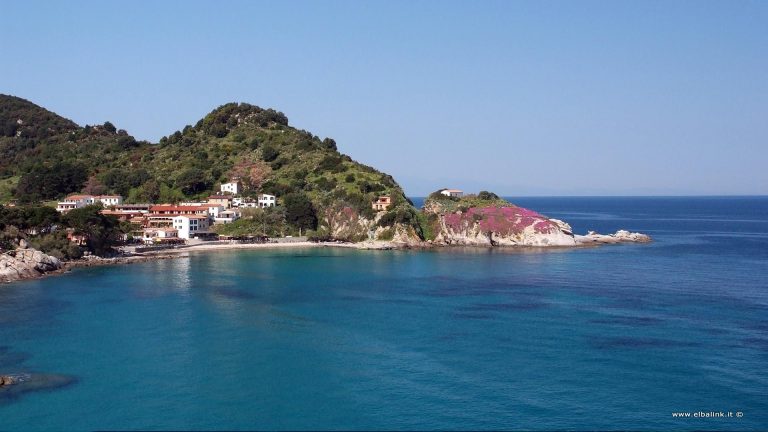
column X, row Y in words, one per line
column 29, row 218
column 101, row 230
column 48, row 182
column 299, row 211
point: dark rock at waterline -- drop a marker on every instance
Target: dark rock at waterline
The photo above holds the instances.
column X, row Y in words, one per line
column 17, row 384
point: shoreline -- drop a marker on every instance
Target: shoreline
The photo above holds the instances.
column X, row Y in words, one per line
column 184, row 253
column 587, row 241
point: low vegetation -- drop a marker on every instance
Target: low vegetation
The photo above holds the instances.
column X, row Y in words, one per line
column 447, row 204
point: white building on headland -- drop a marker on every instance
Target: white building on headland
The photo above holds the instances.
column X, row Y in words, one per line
column 231, row 188
column 266, row 200
column 456, row 193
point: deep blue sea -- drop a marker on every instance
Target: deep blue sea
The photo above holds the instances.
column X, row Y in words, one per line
column 606, row 338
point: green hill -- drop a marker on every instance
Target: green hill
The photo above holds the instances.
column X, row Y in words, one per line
column 47, row 156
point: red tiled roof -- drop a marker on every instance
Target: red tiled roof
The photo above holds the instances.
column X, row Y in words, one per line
column 77, row 197
column 174, row 208
column 173, row 215
column 121, row 213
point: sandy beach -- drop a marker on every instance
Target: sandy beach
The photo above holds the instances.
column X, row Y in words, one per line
column 130, row 256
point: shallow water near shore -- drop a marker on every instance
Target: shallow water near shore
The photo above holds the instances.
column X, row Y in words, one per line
column 612, row 337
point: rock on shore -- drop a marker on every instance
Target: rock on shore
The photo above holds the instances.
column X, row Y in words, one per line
column 26, row 264
column 621, row 236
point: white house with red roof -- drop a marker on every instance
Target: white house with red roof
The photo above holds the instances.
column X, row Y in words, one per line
column 78, row 201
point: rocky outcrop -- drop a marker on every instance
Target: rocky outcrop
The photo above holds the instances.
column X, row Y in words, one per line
column 470, row 221
column 345, row 223
column 621, row 236
column 501, row 225
column 26, row 264
column 6, row 380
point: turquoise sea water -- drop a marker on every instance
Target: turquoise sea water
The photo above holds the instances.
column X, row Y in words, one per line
column 616, row 337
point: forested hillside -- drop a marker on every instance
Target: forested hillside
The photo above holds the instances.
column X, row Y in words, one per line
column 46, row 156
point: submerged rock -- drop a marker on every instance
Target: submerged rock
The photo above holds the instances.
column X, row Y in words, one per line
column 15, row 385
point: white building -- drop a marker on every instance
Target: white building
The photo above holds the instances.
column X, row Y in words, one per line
column 231, row 187
column 267, row 200
column 189, row 226
column 72, row 202
column 452, row 193
column 214, row 209
column 227, row 216
column 109, row 200
column 244, row 202
column 159, row 235
column 77, row 201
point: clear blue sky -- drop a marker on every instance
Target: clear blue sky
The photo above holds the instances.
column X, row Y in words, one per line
column 522, row 98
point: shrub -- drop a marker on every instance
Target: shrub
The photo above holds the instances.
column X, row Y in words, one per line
column 332, row 163
column 485, row 195
column 269, row 153
column 56, row 244
column 387, row 234
column 329, row 143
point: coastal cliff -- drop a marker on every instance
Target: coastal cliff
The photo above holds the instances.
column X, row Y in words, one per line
column 487, row 220
column 500, row 226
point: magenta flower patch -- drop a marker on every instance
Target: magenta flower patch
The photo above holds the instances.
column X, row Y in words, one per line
column 505, row 221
